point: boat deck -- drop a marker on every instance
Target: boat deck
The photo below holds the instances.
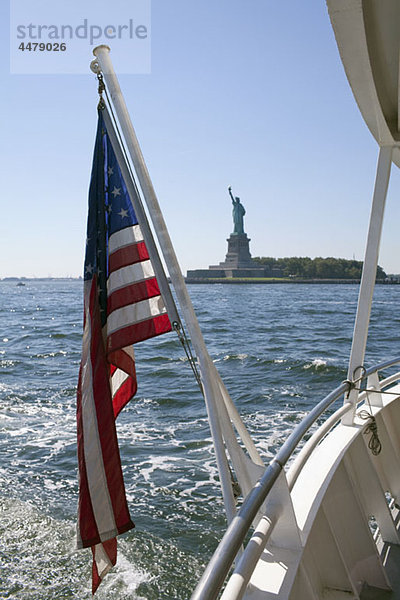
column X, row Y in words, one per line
column 392, row 563
column 393, row 568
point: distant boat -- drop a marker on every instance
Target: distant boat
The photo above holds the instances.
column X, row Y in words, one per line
column 20, row 284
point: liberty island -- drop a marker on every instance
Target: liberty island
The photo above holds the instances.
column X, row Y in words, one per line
column 240, row 267
column 238, row 262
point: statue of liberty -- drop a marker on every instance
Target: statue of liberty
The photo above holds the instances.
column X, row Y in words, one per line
column 238, row 213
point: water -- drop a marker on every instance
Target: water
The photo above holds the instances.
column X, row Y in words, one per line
column 279, row 348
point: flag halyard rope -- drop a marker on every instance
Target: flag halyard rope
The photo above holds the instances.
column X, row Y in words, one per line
column 177, row 324
column 181, row 333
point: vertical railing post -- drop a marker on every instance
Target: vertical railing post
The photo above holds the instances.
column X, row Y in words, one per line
column 368, row 275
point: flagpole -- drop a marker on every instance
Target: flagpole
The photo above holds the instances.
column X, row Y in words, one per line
column 211, row 387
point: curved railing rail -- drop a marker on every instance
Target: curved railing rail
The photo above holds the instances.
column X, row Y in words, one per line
column 218, row 568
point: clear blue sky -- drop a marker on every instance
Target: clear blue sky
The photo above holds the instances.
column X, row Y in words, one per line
column 248, row 93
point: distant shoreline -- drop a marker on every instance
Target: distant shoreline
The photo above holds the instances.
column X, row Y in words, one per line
column 24, row 279
column 271, row 280
column 215, row 280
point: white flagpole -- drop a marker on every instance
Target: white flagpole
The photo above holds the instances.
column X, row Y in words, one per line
column 211, row 387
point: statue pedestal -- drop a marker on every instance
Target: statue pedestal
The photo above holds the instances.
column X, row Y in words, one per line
column 238, row 255
column 238, row 261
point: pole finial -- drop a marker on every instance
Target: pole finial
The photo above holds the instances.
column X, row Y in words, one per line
column 101, row 47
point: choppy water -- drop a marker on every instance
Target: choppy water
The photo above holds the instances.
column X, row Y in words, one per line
column 279, row 349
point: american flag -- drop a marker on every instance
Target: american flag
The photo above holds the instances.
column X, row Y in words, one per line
column 122, row 306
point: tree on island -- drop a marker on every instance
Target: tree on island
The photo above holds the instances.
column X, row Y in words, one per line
column 317, row 268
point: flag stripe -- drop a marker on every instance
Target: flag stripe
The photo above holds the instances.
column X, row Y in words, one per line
column 124, row 393
column 140, row 331
column 128, row 255
column 133, row 293
column 93, row 457
column 123, row 384
column 124, row 237
column 117, row 380
column 125, row 276
column 101, row 455
column 135, row 313
column 112, row 489
column 86, row 527
column 123, row 359
column 104, row 558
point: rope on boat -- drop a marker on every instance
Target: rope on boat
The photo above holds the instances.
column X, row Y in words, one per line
column 352, row 386
column 180, row 331
column 374, row 443
column 376, row 391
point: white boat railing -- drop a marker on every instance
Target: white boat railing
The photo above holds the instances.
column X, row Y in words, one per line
column 214, row 576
